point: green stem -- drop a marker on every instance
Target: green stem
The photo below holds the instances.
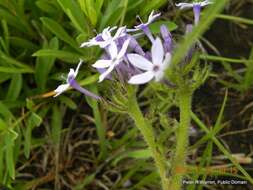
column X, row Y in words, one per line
column 178, row 164
column 149, row 137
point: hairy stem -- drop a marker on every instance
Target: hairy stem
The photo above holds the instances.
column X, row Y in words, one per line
column 178, row 164
column 149, row 137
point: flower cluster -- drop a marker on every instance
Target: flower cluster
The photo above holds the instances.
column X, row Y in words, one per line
column 124, row 59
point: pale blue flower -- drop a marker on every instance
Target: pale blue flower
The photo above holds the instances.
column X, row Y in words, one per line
column 153, row 69
column 116, row 58
column 71, row 82
column 105, row 38
column 196, row 8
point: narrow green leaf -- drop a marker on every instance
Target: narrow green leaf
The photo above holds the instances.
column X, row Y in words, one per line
column 59, row 31
column 5, row 112
column 99, row 4
column 22, row 43
column 248, row 78
column 33, row 121
column 44, row 65
column 218, row 126
column 46, row 6
column 3, row 125
column 155, row 27
column 61, row 54
column 56, row 125
column 152, row 5
column 15, row 70
column 9, row 156
column 1, row 160
column 74, row 12
column 10, row 61
column 14, row 88
column 68, row 102
column 101, row 131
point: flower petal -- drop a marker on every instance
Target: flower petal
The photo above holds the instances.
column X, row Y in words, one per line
column 60, row 89
column 152, row 17
column 184, row 5
column 102, row 64
column 71, row 73
column 159, row 75
column 123, row 49
column 206, row 2
column 140, row 62
column 166, row 61
column 113, row 50
column 111, row 29
column 106, row 34
column 78, row 67
column 157, row 52
column 120, row 32
column 106, row 73
column 141, row 78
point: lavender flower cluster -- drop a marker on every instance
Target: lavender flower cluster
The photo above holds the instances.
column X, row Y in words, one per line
column 125, row 59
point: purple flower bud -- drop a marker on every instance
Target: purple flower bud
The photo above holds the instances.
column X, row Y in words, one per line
column 135, row 46
column 167, row 37
column 196, row 10
column 148, row 33
column 190, row 53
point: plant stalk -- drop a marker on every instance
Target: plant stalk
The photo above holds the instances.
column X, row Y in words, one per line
column 149, row 137
column 179, row 160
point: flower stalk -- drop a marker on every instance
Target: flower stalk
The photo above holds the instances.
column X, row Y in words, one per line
column 147, row 132
column 179, row 160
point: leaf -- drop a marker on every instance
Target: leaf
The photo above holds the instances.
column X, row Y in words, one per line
column 136, row 154
column 88, row 7
column 3, row 125
column 59, row 31
column 1, row 161
column 33, row 121
column 112, row 14
column 61, row 54
column 6, row 60
column 44, row 65
column 46, row 6
column 56, row 125
column 74, row 12
column 14, row 88
column 218, row 126
column 248, row 78
column 101, row 131
column 152, row 5
column 155, row 27
column 14, row 70
column 68, row 102
column 98, row 5
column 87, row 180
column 12, row 20
column 22, row 43
column 5, row 112
column 9, row 156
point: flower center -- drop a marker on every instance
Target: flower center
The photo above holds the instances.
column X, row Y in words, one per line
column 156, row 68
